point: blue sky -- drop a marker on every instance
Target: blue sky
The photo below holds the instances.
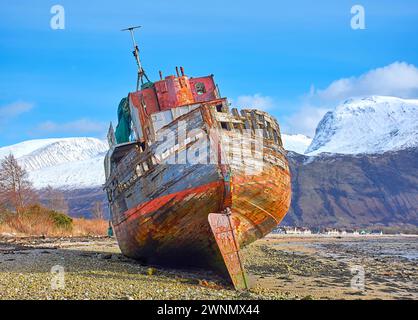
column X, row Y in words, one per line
column 285, row 56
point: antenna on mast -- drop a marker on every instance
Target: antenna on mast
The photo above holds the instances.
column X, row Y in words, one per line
column 141, row 72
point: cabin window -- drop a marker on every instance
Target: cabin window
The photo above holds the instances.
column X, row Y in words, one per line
column 200, row 88
column 269, row 131
column 276, row 137
column 138, row 170
column 219, row 108
column 224, row 125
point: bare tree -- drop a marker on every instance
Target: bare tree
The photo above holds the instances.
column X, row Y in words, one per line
column 98, row 210
column 16, row 190
column 55, row 200
column 3, row 212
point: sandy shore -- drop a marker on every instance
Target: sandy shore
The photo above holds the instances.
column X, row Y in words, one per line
column 279, row 267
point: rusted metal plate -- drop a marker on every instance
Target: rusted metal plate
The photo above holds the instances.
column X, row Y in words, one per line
column 225, row 238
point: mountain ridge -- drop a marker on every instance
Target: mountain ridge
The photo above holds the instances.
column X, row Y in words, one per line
column 67, row 163
column 354, row 190
column 369, row 125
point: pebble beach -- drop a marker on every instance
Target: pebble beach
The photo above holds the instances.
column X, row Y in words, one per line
column 278, row 267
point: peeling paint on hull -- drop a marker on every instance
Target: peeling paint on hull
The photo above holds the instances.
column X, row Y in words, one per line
column 160, row 216
column 173, row 230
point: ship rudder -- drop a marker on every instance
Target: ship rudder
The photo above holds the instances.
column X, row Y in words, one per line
column 225, row 238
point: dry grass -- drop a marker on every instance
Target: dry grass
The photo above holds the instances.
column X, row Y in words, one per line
column 5, row 228
column 85, row 227
column 39, row 221
column 31, row 225
column 81, row 228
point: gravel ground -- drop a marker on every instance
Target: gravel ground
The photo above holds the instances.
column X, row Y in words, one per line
column 278, row 268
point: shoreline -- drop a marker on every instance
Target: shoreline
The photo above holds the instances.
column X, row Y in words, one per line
column 278, row 266
column 356, row 236
column 6, row 236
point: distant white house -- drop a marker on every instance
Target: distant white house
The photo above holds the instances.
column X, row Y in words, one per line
column 296, row 230
column 333, row 232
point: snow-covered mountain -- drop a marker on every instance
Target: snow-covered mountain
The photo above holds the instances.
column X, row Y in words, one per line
column 369, row 125
column 61, row 163
column 296, row 142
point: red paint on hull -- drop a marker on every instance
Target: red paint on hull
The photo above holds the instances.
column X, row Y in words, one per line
column 155, row 204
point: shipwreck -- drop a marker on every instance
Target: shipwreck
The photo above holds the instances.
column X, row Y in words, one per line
column 190, row 180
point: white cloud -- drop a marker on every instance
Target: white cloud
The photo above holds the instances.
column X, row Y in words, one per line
column 303, row 121
column 13, row 110
column 296, row 142
column 81, row 126
column 398, row 79
column 256, row 101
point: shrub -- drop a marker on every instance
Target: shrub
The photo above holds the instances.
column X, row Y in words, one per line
column 61, row 220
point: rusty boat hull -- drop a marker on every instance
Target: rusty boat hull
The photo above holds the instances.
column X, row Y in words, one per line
column 161, row 206
column 173, row 229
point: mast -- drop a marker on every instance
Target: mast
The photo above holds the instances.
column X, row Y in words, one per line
column 141, row 71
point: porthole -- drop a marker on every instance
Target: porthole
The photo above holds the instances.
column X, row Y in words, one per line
column 200, row 88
